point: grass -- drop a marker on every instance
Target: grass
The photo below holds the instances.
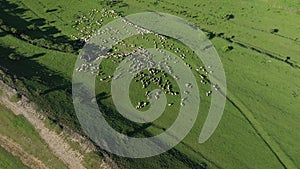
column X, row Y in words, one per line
column 15, row 98
column 22, row 132
column 192, row 152
column 53, row 126
column 9, row 161
column 261, row 114
column 92, row 160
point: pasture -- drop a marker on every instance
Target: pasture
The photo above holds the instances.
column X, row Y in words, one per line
column 9, row 161
column 20, row 131
column 258, row 44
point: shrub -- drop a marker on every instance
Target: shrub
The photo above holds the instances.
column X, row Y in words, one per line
column 13, row 30
column 203, row 165
column 14, row 56
column 32, row 27
column 229, row 16
column 25, row 37
column 15, row 98
column 275, row 30
column 211, row 35
column 61, row 47
column 227, row 48
column 221, row 34
column 5, row 28
column 68, row 48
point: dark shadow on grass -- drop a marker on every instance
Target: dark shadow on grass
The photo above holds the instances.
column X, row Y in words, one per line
column 37, row 29
column 51, row 10
column 56, row 88
column 139, row 129
column 125, row 126
column 102, row 95
column 2, row 34
column 48, row 89
column 35, row 56
column 49, row 93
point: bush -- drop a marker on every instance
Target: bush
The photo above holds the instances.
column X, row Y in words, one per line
column 5, row 28
column 229, row 16
column 61, row 47
column 227, row 48
column 211, row 35
column 275, row 30
column 13, row 30
column 25, row 37
column 14, row 56
column 32, row 27
column 15, row 98
column 68, row 48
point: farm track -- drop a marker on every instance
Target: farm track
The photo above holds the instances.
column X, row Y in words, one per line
column 264, row 52
column 264, row 31
column 28, row 8
column 192, row 150
column 16, row 150
column 288, row 9
column 247, row 114
column 73, row 159
column 274, row 147
column 242, row 44
column 277, row 57
column 256, row 49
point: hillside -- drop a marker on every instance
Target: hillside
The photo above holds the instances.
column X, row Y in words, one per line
column 258, row 44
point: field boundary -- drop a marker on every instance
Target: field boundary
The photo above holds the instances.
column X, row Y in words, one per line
column 60, row 148
column 16, row 150
column 280, row 155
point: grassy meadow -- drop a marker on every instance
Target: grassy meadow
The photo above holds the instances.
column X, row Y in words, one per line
column 9, row 161
column 39, row 42
column 18, row 129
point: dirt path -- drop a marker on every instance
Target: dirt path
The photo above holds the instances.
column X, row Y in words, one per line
column 16, row 150
column 73, row 159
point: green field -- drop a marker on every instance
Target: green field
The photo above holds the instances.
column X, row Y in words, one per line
column 9, row 161
column 259, row 47
column 18, row 129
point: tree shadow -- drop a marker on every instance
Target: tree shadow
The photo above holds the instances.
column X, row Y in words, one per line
column 102, row 95
column 35, row 56
column 35, row 28
column 139, row 129
column 51, row 10
column 2, row 34
column 48, row 89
